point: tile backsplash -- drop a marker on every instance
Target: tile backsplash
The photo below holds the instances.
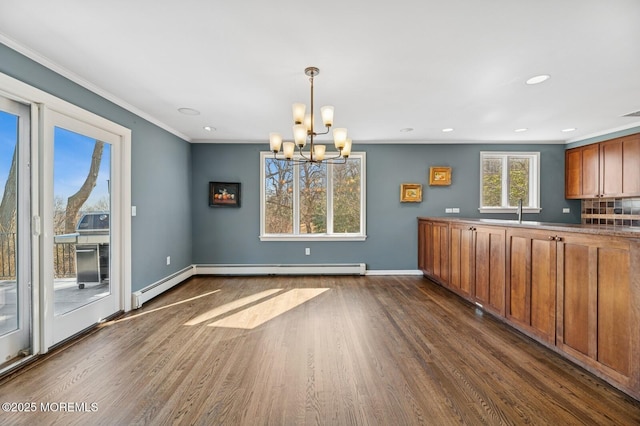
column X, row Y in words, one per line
column 611, row 211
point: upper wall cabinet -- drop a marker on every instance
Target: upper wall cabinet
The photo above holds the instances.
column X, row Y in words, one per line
column 605, row 169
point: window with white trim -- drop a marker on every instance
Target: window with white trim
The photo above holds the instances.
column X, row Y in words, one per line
column 508, row 177
column 312, row 201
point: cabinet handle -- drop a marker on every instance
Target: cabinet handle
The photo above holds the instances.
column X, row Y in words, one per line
column 558, row 238
column 471, row 228
column 552, row 238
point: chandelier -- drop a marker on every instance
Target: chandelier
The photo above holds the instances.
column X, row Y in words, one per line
column 304, row 130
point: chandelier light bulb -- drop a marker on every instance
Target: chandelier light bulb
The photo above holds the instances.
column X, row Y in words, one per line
column 307, row 122
column 287, row 150
column 327, row 115
column 339, row 137
column 300, row 134
column 275, row 141
column 298, row 113
column 346, row 151
column 318, row 152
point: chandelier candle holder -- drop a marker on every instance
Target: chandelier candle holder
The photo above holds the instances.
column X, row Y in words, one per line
column 304, row 130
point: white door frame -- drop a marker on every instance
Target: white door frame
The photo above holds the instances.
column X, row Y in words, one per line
column 40, row 100
column 19, row 339
column 57, row 328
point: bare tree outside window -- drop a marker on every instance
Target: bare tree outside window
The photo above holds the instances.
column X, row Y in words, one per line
column 278, row 197
column 313, row 198
column 325, row 199
column 346, row 196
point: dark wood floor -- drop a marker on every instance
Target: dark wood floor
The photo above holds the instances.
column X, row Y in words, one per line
column 369, row 350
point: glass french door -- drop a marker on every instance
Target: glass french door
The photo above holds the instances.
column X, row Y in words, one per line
column 15, row 230
column 81, row 283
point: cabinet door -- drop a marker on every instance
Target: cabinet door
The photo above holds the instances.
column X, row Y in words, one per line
column 489, row 273
column 631, row 165
column 611, row 168
column 573, row 173
column 590, row 171
column 428, row 247
column 594, row 306
column 422, row 244
column 440, row 248
column 531, row 281
column 461, row 259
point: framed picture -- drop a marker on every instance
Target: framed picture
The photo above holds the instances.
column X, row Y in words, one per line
column 224, row 194
column 440, row 176
column 410, row 193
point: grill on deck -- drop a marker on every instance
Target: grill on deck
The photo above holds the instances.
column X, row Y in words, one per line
column 92, row 248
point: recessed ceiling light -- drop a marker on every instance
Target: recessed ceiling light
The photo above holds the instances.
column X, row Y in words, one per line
column 521, row 130
column 570, row 129
column 188, row 111
column 448, row 129
column 406, row 130
column 537, row 79
column 210, row 128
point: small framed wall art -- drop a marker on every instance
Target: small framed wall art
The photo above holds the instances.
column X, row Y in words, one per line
column 410, row 193
column 440, row 176
column 224, row 194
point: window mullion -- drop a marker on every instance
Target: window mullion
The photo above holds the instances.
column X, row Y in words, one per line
column 505, row 181
column 296, row 199
column 329, row 183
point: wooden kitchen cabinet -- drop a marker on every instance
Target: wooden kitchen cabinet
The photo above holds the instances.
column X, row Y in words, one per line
column 434, row 243
column 582, row 171
column 605, row 169
column 422, row 247
column 611, row 168
column 531, row 282
column 631, row 165
column 489, row 270
column 595, row 301
column 462, row 260
column 575, row 289
column 478, row 265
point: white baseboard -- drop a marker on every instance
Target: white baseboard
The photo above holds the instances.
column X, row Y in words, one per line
column 326, row 269
column 396, row 272
column 152, row 290
column 149, row 292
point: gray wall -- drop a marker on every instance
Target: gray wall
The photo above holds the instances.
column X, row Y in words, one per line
column 160, row 174
column 231, row 235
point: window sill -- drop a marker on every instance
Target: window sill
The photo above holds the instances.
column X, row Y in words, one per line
column 318, row 237
column 509, row 210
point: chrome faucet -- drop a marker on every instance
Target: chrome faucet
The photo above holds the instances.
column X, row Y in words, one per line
column 520, row 210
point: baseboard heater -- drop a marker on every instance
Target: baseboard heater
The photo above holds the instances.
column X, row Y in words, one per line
column 152, row 290
column 149, row 292
column 293, row 269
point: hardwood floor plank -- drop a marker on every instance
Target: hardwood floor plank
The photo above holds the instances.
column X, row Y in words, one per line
column 367, row 351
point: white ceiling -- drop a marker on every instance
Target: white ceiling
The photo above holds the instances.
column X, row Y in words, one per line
column 421, row 64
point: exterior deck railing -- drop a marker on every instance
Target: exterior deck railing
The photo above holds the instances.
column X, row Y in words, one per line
column 64, row 258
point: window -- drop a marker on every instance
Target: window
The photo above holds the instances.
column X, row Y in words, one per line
column 508, row 177
column 312, row 201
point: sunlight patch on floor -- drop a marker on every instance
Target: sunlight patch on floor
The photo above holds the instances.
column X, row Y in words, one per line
column 159, row 309
column 221, row 310
column 269, row 309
